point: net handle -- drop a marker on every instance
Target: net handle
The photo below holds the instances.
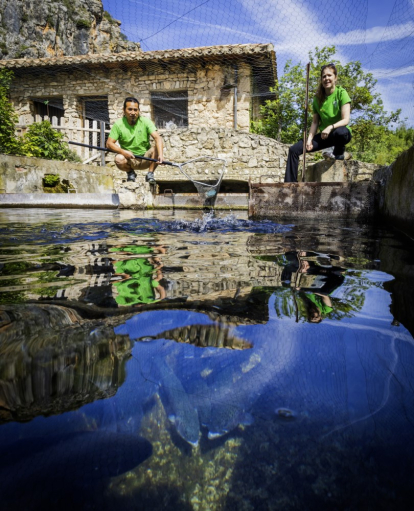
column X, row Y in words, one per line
column 146, row 158
column 179, row 165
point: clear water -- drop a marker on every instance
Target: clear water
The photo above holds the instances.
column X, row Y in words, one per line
column 186, row 361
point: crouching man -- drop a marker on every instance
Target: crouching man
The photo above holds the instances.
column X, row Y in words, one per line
column 133, row 133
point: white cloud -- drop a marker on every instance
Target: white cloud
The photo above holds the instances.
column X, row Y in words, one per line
column 375, row 34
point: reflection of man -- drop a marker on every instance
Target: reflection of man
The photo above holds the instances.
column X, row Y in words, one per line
column 133, row 133
column 139, row 280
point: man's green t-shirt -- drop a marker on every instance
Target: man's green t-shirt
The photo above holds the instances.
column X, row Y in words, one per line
column 134, row 138
column 330, row 110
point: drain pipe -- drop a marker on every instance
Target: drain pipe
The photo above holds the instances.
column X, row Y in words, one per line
column 235, row 97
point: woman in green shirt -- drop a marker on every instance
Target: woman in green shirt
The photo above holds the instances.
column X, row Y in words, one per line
column 331, row 113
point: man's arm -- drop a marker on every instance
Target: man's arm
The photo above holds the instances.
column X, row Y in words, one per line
column 114, row 147
column 158, row 144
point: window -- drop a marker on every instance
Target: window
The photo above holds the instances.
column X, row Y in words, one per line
column 48, row 108
column 95, row 108
column 170, row 107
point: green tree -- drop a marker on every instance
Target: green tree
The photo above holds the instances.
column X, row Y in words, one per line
column 9, row 143
column 283, row 118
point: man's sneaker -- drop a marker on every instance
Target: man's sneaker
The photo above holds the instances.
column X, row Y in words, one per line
column 131, row 176
column 149, row 178
column 340, row 157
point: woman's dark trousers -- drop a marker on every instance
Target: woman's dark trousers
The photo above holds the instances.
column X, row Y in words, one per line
column 338, row 138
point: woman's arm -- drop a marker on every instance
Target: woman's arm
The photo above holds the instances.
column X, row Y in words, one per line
column 312, row 132
column 345, row 116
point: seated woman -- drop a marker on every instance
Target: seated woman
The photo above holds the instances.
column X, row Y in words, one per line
column 331, row 111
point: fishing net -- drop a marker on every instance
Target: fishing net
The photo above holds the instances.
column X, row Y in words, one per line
column 210, row 166
column 192, row 65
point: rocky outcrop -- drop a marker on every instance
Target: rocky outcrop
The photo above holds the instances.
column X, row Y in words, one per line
column 53, row 28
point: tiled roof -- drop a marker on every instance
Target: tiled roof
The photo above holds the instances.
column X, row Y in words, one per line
column 206, row 52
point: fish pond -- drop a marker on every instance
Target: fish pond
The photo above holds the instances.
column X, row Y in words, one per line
column 192, row 361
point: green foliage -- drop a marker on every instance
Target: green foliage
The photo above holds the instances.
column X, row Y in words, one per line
column 42, row 141
column 83, row 23
column 9, row 143
column 109, row 18
column 21, row 51
column 284, row 117
column 51, row 180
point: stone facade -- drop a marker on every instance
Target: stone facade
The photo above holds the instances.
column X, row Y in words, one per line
column 203, row 75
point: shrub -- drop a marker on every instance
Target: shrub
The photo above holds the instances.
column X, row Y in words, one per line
column 42, row 141
column 82, row 23
column 51, row 180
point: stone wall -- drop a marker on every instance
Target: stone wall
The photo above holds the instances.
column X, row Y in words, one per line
column 208, row 104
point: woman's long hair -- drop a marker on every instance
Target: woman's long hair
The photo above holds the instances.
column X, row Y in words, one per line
column 320, row 92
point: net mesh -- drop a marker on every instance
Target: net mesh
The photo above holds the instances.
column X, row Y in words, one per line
column 211, row 167
column 179, row 89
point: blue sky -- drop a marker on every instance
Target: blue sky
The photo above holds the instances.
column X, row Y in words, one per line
column 379, row 33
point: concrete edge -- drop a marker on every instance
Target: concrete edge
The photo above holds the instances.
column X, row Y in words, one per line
column 60, row 200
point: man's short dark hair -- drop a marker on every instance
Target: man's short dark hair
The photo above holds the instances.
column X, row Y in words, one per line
column 130, row 100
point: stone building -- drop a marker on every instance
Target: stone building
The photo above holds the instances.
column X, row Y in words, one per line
column 217, row 86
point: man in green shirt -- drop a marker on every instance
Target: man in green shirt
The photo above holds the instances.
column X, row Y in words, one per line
column 133, row 133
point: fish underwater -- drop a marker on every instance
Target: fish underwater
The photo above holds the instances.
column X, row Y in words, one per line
column 177, row 405
column 63, row 471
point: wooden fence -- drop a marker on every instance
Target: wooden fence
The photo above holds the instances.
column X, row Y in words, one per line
column 75, row 130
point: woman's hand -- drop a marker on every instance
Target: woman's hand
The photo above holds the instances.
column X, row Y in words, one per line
column 309, row 145
column 326, row 132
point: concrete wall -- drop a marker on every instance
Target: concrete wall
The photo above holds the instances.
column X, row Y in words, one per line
column 21, row 174
column 331, row 171
column 397, row 197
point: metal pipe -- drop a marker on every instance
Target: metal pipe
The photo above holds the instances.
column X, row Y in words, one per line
column 306, row 121
column 235, row 97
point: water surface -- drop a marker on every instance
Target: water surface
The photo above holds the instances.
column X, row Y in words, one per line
column 191, row 361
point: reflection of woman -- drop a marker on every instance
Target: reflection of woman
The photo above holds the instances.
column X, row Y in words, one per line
column 331, row 112
column 317, row 306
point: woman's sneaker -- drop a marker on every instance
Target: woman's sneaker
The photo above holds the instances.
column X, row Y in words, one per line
column 328, row 154
column 149, row 178
column 131, row 176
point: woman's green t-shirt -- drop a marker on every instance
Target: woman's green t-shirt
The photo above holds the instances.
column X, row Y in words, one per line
column 330, row 110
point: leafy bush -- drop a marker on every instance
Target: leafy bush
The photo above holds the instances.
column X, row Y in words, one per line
column 82, row 23
column 42, row 141
column 51, row 180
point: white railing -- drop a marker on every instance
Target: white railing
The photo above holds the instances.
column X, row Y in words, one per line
column 75, row 130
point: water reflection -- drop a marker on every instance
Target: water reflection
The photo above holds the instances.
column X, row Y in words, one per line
column 273, row 369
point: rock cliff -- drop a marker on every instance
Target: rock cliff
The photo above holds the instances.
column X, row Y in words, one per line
column 48, row 28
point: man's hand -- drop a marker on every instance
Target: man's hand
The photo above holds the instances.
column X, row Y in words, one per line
column 128, row 155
